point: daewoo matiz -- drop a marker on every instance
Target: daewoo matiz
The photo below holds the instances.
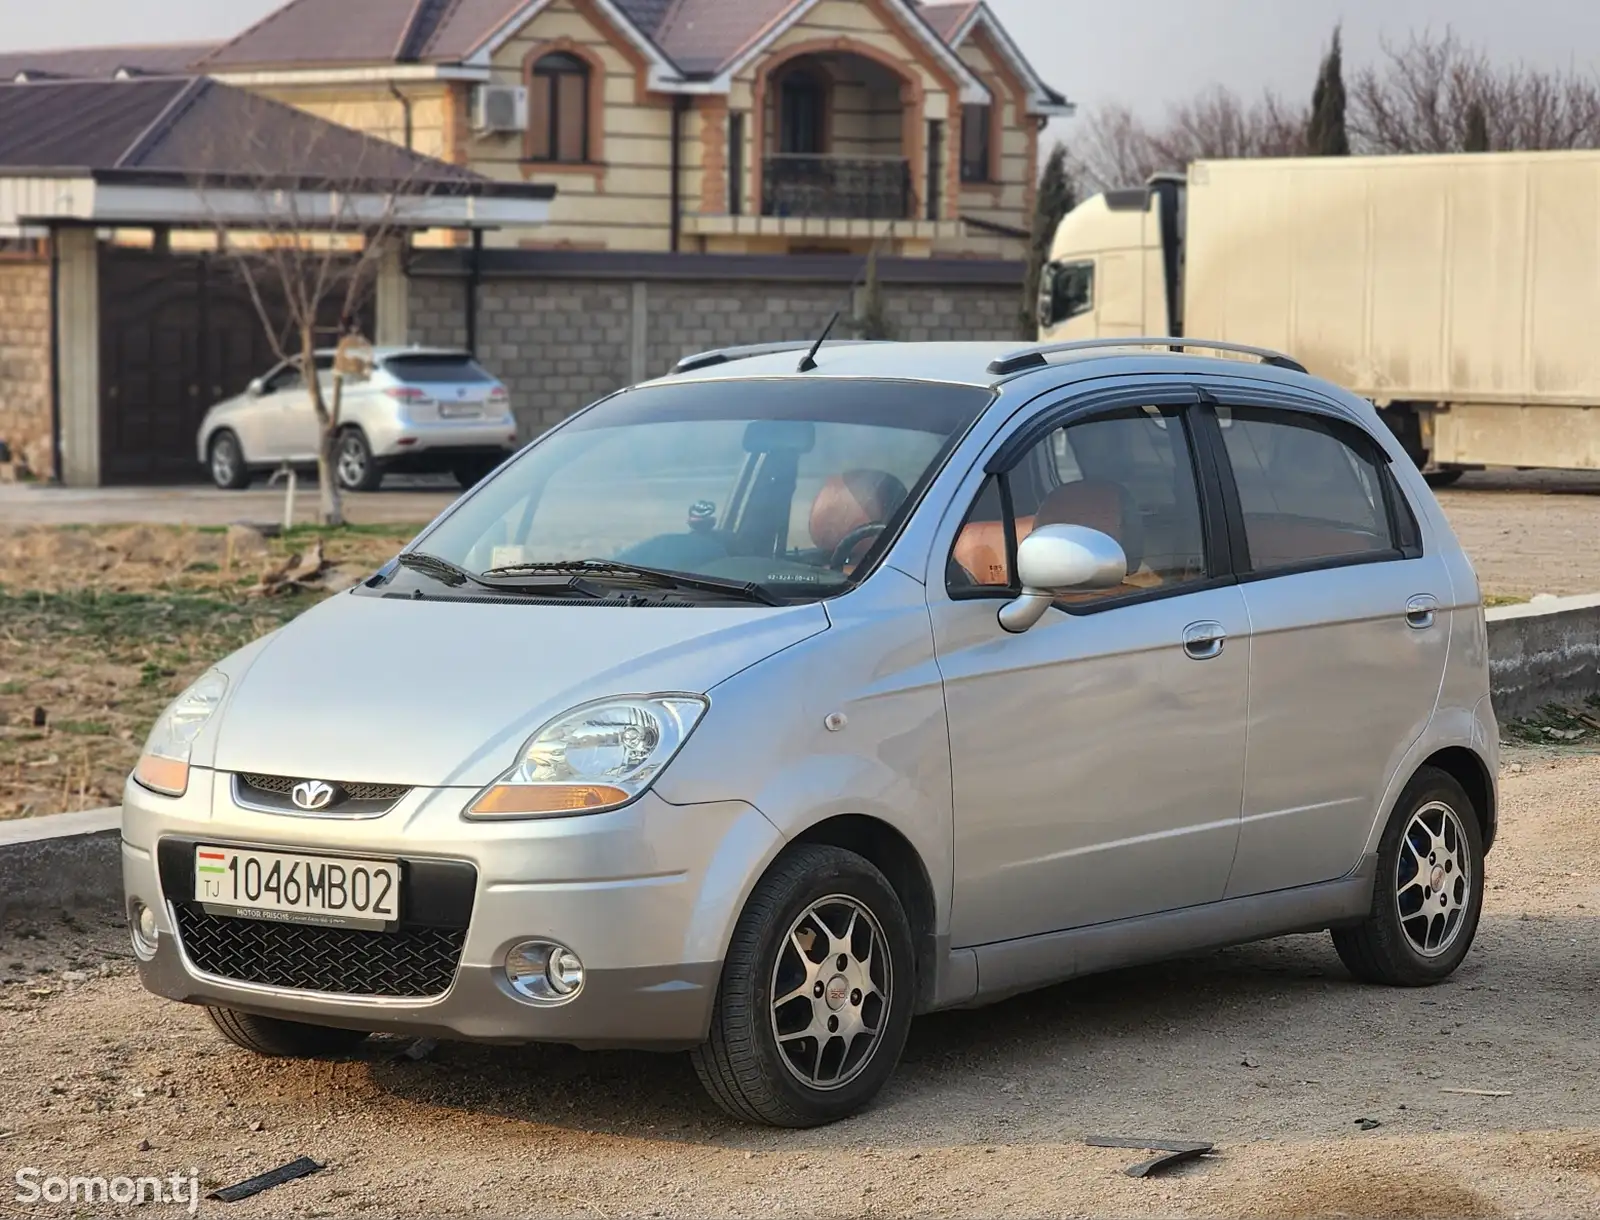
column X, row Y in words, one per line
column 758, row 709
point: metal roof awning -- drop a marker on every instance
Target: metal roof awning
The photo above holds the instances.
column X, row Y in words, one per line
column 193, row 152
column 56, row 197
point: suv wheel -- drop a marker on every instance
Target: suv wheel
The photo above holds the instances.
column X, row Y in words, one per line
column 1429, row 891
column 278, row 1039
column 816, row 994
column 226, row 460
column 356, row 468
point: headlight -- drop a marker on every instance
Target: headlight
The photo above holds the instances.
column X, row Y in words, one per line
column 593, row 758
column 164, row 765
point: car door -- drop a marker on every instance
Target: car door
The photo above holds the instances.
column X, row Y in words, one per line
column 1348, row 631
column 282, row 391
column 1098, row 758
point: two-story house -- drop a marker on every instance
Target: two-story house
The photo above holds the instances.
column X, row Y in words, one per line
column 705, row 126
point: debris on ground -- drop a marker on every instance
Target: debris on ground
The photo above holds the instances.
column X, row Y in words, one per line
column 1368, row 1124
column 421, row 1049
column 300, row 571
column 300, row 1168
column 1477, row 1092
column 1174, row 1152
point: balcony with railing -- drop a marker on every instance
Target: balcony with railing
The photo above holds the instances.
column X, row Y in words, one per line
column 836, row 188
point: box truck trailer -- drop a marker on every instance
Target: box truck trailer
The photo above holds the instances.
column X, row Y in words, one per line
column 1461, row 294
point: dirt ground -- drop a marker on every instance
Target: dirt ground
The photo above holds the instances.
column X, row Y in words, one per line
column 1270, row 1051
column 1529, row 533
column 101, row 626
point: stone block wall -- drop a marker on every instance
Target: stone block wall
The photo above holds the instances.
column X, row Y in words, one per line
column 560, row 342
column 25, row 367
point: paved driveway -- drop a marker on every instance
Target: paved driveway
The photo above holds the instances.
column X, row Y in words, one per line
column 411, row 501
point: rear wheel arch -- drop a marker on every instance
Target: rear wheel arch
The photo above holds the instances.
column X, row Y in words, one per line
column 898, row 860
column 1469, row 770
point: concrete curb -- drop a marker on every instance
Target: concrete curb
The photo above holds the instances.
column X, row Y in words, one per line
column 65, row 860
column 1543, row 652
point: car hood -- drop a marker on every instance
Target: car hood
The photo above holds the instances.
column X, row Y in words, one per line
column 436, row 694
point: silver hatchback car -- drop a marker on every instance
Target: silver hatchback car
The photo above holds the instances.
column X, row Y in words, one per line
column 754, row 711
column 420, row 410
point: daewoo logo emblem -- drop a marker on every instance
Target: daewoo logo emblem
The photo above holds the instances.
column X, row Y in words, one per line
column 312, row 794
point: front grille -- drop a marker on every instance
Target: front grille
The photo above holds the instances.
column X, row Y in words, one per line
column 411, row 962
column 283, row 785
column 275, row 793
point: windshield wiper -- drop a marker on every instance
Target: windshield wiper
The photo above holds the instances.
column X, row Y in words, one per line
column 661, row 577
column 455, row 576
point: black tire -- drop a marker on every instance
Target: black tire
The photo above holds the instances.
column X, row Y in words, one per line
column 278, row 1039
column 353, row 463
column 1383, row 948
column 225, row 460
column 472, row 471
column 1443, row 478
column 741, row 1064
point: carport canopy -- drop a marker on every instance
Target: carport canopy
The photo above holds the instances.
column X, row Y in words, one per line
column 193, row 152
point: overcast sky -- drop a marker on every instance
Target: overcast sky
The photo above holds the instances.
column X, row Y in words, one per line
column 1145, row 52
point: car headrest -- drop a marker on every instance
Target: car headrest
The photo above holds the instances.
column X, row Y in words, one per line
column 850, row 500
column 1099, row 505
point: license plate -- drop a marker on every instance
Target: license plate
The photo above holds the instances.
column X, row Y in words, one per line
column 460, row 410
column 328, row 891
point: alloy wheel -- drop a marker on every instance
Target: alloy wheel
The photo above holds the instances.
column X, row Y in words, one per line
column 1433, row 879
column 352, row 461
column 831, row 986
column 222, row 462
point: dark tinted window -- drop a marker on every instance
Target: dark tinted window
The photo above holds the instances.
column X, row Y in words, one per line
column 424, row 370
column 1311, row 490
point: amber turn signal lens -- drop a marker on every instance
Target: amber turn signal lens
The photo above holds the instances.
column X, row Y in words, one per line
column 547, row 798
column 164, row 775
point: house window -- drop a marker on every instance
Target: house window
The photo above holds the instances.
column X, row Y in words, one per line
column 802, row 114
column 736, row 163
column 558, row 109
column 975, row 146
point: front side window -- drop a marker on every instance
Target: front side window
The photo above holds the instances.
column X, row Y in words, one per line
column 803, row 106
column 1129, row 474
column 976, row 124
column 794, row 486
column 558, row 109
column 1066, row 290
column 1311, row 492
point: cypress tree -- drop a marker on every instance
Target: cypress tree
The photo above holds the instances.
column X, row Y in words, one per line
column 1327, row 135
column 1057, row 196
column 1477, row 138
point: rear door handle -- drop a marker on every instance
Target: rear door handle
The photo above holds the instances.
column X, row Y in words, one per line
column 1204, row 640
column 1420, row 611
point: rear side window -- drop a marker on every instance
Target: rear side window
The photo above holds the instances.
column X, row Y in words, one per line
column 1312, row 491
column 432, row 370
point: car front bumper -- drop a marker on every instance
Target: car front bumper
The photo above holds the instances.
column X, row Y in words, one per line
column 646, row 896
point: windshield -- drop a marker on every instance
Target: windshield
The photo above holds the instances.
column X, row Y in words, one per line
column 793, row 486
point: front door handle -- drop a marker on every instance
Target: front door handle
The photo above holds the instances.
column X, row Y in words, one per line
column 1420, row 611
column 1204, row 640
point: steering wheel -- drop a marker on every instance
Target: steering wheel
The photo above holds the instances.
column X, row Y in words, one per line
column 848, row 544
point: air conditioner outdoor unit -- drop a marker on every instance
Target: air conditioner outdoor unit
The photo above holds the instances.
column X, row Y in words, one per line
column 499, row 108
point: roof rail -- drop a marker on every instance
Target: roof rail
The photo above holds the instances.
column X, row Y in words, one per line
column 1035, row 357
column 726, row 355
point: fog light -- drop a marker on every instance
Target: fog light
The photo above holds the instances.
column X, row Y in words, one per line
column 544, row 972
column 142, row 928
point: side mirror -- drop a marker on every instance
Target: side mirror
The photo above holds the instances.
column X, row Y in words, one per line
column 1058, row 558
column 256, row 388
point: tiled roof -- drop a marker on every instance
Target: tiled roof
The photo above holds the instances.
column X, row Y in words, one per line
column 193, row 126
column 946, row 19
column 304, row 32
column 102, row 63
